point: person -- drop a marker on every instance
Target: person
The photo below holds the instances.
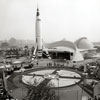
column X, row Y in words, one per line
column 37, row 63
column 95, row 98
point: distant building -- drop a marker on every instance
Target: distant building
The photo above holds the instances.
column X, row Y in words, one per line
column 79, row 50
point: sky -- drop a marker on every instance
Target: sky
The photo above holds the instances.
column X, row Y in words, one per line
column 60, row 19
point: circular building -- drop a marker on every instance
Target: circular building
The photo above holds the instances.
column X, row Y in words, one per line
column 85, row 47
column 84, row 43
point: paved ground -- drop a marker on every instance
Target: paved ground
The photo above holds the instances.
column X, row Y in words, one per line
column 15, row 88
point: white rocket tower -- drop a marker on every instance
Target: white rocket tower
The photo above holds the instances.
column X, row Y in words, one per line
column 37, row 30
column 38, row 41
column 39, row 49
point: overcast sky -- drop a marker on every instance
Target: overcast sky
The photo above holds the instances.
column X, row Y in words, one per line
column 69, row 19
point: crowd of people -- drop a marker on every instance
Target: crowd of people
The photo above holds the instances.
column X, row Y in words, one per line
column 93, row 70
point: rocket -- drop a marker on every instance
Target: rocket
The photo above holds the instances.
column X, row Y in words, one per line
column 38, row 41
column 38, row 52
column 37, row 30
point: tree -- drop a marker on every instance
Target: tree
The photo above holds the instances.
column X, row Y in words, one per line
column 41, row 92
column 12, row 42
column 26, row 50
column 4, row 44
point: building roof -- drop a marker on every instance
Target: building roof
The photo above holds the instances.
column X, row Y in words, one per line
column 64, row 45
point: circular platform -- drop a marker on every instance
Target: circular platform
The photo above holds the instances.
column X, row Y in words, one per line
column 59, row 78
column 55, row 77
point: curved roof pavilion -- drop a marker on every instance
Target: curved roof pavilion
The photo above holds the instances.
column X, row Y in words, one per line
column 68, row 46
column 62, row 43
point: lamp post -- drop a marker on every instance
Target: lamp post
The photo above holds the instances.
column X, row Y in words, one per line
column 4, row 79
column 58, row 87
column 57, row 76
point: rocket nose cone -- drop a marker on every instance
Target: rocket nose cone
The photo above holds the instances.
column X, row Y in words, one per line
column 38, row 12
